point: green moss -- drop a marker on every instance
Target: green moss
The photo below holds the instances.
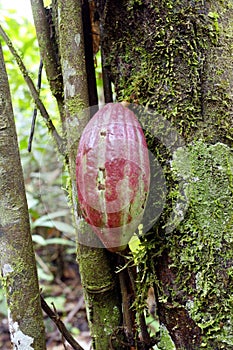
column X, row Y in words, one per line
column 75, row 104
column 202, row 249
column 17, row 275
column 165, row 342
column 98, row 280
column 201, row 245
column 167, row 48
column 175, row 58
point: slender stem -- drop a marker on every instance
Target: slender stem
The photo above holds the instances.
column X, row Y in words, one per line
column 46, row 36
column 89, row 61
column 60, row 325
column 127, row 312
column 58, row 140
column 143, row 327
column 35, row 109
column 106, row 80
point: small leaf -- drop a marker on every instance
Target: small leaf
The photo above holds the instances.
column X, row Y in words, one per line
column 47, row 3
column 39, row 240
column 64, row 227
column 61, row 241
column 43, row 275
column 134, row 243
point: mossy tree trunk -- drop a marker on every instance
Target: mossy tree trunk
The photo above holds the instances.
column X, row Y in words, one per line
column 176, row 58
column 17, row 259
column 98, row 277
column 99, row 280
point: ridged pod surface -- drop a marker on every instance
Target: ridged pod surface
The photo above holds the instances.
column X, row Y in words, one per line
column 113, row 175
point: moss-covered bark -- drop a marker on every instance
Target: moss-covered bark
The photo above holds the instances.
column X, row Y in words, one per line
column 176, row 59
column 17, row 260
column 103, row 298
column 97, row 270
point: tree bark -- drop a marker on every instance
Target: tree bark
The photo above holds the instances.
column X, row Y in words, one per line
column 176, row 59
column 18, row 267
column 97, row 270
column 49, row 50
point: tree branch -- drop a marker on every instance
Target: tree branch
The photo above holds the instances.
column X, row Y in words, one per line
column 88, row 49
column 35, row 109
column 48, row 49
column 60, row 325
column 57, row 138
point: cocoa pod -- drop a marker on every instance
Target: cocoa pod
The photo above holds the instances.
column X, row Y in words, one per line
column 113, row 175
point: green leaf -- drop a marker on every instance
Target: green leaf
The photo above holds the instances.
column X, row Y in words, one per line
column 58, row 301
column 32, row 202
column 64, row 227
column 39, row 240
column 62, row 241
column 134, row 243
column 47, row 221
column 42, row 275
column 56, row 240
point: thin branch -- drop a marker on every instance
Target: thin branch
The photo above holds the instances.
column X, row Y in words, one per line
column 128, row 315
column 130, row 276
column 35, row 109
column 58, row 140
column 107, row 86
column 60, row 325
column 48, row 48
column 143, row 327
column 88, row 46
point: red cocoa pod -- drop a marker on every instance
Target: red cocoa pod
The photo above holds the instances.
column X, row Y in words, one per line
column 113, row 175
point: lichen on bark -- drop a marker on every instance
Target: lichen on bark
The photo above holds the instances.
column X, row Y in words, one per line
column 201, row 248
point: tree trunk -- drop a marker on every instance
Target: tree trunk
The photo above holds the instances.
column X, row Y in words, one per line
column 18, row 267
column 99, row 279
column 176, row 59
